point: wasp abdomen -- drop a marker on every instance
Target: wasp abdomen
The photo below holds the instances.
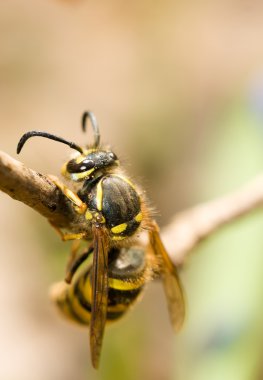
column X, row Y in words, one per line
column 127, row 278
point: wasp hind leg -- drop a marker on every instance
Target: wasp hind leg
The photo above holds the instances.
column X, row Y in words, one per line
column 76, row 260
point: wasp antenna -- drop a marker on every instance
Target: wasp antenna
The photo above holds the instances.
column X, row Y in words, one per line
column 96, row 131
column 30, row 134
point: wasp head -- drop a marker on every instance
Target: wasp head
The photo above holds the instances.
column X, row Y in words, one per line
column 88, row 164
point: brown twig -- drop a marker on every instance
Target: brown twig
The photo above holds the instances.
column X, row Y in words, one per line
column 190, row 227
column 181, row 236
column 37, row 191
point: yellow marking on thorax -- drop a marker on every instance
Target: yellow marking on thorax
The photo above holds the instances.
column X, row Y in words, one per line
column 138, row 217
column 88, row 215
column 119, row 228
column 99, row 195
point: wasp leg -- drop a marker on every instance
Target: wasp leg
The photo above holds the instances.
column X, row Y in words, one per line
column 79, row 206
column 77, row 236
column 73, row 254
column 75, row 264
column 65, row 236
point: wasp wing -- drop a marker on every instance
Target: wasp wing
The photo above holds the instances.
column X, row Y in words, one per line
column 171, row 281
column 99, row 299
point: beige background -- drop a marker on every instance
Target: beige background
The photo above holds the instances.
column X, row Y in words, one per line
column 176, row 88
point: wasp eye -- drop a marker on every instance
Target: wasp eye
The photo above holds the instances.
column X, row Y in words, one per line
column 88, row 163
column 83, row 166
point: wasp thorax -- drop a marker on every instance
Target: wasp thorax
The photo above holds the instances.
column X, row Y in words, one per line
column 86, row 164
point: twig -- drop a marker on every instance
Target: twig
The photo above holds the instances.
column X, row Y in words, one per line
column 190, row 227
column 181, row 236
column 37, row 191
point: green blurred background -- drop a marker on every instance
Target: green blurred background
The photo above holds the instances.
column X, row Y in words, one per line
column 177, row 87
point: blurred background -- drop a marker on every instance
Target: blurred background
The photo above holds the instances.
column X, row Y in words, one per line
column 177, row 87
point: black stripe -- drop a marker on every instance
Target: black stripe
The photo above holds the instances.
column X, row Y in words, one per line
column 112, row 315
column 124, row 297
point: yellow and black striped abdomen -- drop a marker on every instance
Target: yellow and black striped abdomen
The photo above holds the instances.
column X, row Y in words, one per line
column 127, row 270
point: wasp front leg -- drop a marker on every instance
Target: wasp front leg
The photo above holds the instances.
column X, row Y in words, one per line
column 78, row 205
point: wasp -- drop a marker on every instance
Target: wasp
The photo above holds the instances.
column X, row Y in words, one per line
column 116, row 211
